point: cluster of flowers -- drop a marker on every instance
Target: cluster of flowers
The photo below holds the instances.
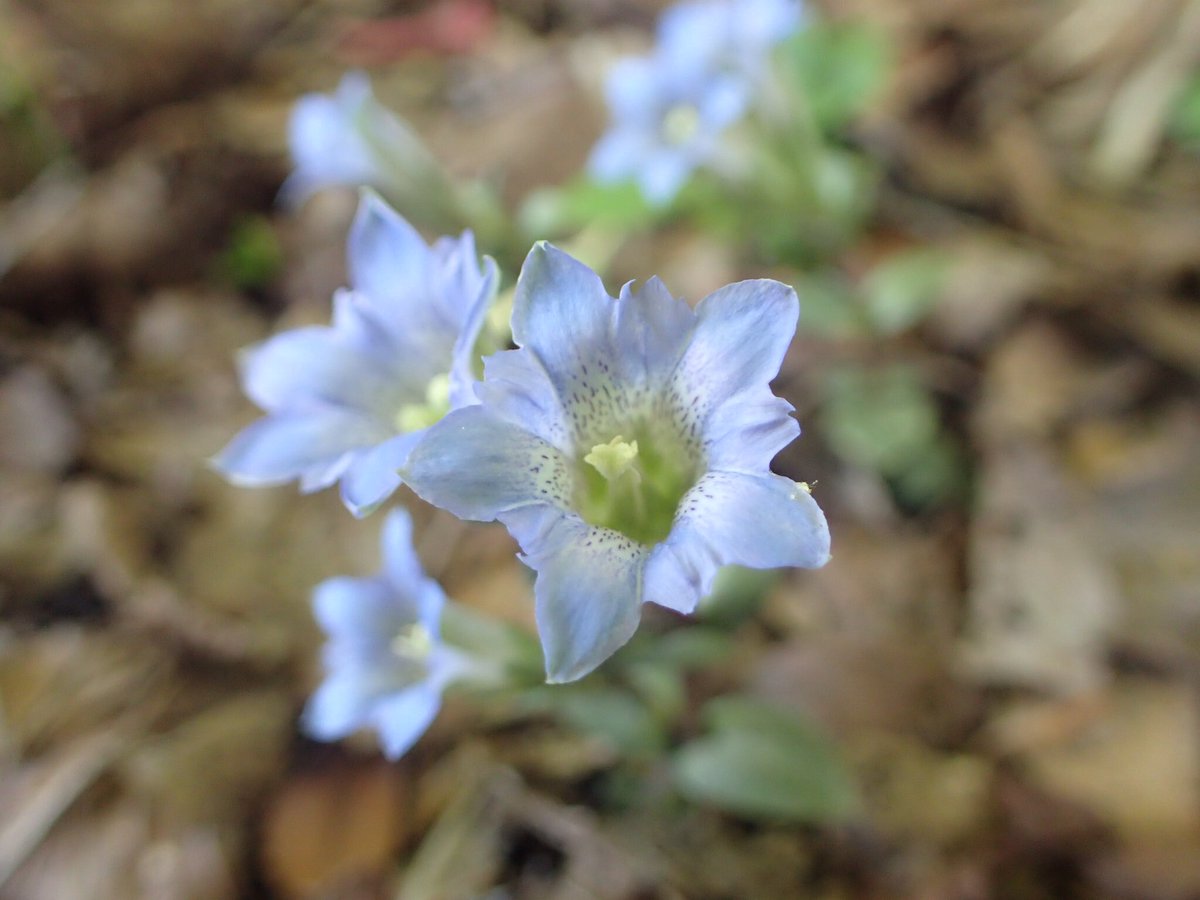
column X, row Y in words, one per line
column 670, row 108
column 625, row 443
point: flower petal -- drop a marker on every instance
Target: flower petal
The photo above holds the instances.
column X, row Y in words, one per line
column 764, row 22
column 314, row 365
column 664, row 172
column 374, row 474
column 633, row 89
column 338, row 707
column 746, row 435
column 403, row 571
column 588, row 594
column 401, row 566
column 619, row 153
column 677, row 580
column 724, row 102
column 560, row 312
column 651, row 331
column 742, row 334
column 279, row 448
column 517, row 388
column 477, row 465
column 463, row 368
column 760, row 521
column 403, row 717
column 325, row 144
column 387, row 259
column 361, row 609
column 691, row 35
column 321, row 476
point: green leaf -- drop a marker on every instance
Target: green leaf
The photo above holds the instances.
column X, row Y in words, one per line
column 764, row 763
column 881, row 420
column 1185, row 118
column 692, row 647
column 828, row 308
column 253, row 256
column 901, row 290
column 660, row 686
column 737, row 595
column 933, row 477
column 607, row 713
column 837, row 69
column 516, row 653
column 553, row 212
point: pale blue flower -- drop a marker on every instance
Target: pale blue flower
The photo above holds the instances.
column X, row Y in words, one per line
column 348, row 401
column 735, row 35
column 626, row 445
column 385, row 663
column 666, row 123
column 670, row 109
column 349, row 139
column 339, row 139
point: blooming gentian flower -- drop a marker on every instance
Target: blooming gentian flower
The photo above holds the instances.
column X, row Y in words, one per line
column 669, row 109
column 348, row 138
column 626, row 445
column 735, row 35
column 349, row 401
column 385, row 663
column 665, row 124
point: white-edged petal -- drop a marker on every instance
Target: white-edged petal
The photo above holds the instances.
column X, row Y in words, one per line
column 759, row 521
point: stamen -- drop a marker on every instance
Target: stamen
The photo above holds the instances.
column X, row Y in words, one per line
column 614, row 459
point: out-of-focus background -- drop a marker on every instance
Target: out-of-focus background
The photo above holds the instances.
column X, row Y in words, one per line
column 1008, row 669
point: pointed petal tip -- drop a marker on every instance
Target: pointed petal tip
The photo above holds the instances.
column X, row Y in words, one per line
column 565, row 673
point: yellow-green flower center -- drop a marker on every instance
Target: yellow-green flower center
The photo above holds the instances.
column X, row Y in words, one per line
column 415, row 416
column 413, row 643
column 680, row 123
column 634, row 486
column 614, row 459
column 411, row 647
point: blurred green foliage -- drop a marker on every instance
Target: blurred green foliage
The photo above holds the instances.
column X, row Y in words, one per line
column 252, row 256
column 1185, row 119
column 763, row 762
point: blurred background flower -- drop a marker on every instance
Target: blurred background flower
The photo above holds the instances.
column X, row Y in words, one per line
column 385, row 662
column 348, row 402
